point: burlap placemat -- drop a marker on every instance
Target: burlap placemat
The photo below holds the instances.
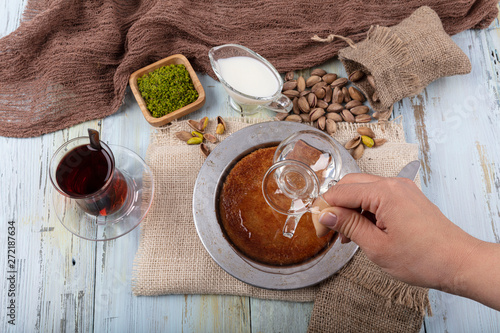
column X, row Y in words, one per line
column 70, row 61
column 172, row 260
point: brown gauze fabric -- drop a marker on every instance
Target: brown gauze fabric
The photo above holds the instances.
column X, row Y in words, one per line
column 402, row 60
column 69, row 61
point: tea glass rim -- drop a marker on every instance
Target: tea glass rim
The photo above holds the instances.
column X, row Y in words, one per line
column 337, row 158
column 52, row 172
column 279, row 164
column 258, row 56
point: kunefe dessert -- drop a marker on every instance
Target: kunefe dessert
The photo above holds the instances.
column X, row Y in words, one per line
column 253, row 227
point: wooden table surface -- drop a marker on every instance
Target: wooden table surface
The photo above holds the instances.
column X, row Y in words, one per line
column 64, row 283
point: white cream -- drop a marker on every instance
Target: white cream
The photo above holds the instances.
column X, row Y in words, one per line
column 249, row 76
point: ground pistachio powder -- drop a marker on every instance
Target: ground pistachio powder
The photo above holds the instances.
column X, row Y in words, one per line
column 167, row 89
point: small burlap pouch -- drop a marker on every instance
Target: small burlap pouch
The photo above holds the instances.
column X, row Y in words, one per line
column 172, row 260
column 403, row 59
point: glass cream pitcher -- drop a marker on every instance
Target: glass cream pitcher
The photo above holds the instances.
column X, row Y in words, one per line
column 252, row 83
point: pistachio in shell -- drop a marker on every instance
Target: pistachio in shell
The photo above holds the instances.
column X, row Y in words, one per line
column 291, row 93
column 289, row 76
column 353, row 104
column 304, row 93
column 347, row 116
column 312, row 80
column 335, row 107
column 290, row 85
column 305, row 117
column 318, row 86
column 203, row 124
column 295, row 105
column 331, row 126
column 356, row 94
column 338, row 96
column 316, row 113
column 204, row 149
column 334, row 116
column 210, row 137
column 183, row 135
column 353, row 143
column 347, row 97
column 356, row 76
column 358, row 152
column 340, row 82
column 328, row 94
column 329, row 78
column 357, row 110
column 379, row 142
column 294, row 117
column 221, row 125
column 301, row 84
column 375, row 97
column 320, row 93
column 195, row 125
column 304, row 105
column 322, row 123
column 318, row 72
column 312, row 99
column 363, row 130
column 321, row 104
column 363, row 118
column 280, row 116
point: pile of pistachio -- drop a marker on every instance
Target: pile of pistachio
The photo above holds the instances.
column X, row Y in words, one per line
column 365, row 138
column 325, row 99
column 198, row 135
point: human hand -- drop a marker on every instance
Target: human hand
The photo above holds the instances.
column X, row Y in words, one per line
column 411, row 239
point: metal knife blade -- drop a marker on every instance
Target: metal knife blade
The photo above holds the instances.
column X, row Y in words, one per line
column 410, row 170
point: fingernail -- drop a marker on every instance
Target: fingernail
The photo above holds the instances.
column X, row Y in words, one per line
column 328, row 219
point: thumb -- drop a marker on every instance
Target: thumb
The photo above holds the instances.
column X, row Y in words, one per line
column 352, row 225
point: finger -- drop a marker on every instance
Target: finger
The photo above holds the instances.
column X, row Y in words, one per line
column 355, row 195
column 353, row 226
column 359, row 178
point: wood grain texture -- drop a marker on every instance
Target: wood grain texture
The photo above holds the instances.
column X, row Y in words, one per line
column 64, row 283
column 455, row 123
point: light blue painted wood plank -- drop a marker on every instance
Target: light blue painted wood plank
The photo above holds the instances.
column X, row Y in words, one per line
column 455, row 123
column 51, row 292
column 56, row 295
column 116, row 308
column 279, row 316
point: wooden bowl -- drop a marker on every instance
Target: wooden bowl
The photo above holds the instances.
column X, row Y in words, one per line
column 176, row 59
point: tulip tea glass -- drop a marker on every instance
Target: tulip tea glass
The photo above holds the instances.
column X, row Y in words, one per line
column 304, row 166
column 252, row 83
column 100, row 194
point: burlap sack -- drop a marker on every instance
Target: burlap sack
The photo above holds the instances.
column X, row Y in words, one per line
column 404, row 59
column 172, row 260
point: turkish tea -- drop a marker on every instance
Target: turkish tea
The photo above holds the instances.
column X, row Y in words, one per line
column 89, row 176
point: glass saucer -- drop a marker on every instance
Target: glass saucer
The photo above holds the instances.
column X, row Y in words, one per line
column 140, row 183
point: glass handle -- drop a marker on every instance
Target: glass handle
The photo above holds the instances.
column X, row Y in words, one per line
column 291, row 224
column 280, row 104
